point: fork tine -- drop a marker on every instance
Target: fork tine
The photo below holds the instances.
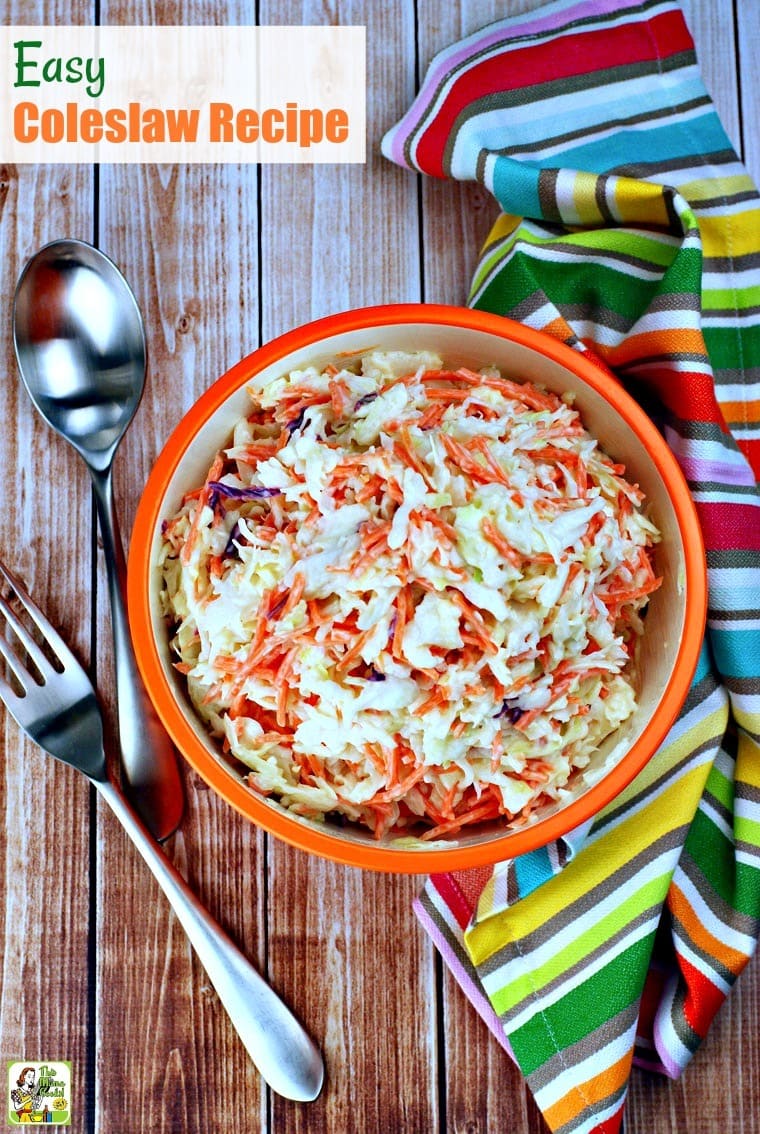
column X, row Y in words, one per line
column 10, row 698
column 36, row 655
column 12, row 660
column 53, row 639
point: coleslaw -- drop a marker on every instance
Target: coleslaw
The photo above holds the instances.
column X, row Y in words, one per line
column 407, row 596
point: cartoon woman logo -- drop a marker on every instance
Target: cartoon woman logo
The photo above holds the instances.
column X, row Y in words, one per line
column 26, row 1099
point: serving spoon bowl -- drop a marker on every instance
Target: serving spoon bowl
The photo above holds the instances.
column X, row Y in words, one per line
column 80, row 345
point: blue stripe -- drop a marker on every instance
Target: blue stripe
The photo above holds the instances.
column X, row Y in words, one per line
column 698, row 136
column 532, row 870
column 727, row 596
column 736, row 652
column 704, row 663
column 498, row 129
column 515, row 187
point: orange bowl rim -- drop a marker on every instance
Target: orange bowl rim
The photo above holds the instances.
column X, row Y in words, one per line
column 378, row 856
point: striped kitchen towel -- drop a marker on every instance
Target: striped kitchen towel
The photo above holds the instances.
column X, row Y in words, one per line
column 630, row 230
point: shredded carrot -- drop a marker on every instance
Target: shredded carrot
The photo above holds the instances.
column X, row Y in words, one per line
column 446, row 394
column 339, row 396
column 259, row 451
column 487, row 810
column 439, row 696
column 295, row 594
column 405, row 451
column 524, row 393
column 431, row 417
column 617, row 598
column 402, row 614
column 500, row 542
column 447, row 530
column 480, row 409
column 482, row 446
column 487, row 473
column 402, row 787
column 213, row 474
column 497, row 747
column 372, row 487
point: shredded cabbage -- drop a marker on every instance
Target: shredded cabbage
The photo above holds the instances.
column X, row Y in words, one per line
column 407, row 596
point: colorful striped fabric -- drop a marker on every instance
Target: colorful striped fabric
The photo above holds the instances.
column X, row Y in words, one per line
column 630, row 229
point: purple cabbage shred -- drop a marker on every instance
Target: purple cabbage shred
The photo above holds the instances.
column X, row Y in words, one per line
column 254, row 493
column 297, row 422
column 232, row 551
column 512, row 712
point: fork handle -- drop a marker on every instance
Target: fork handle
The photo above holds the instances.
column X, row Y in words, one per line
column 275, row 1040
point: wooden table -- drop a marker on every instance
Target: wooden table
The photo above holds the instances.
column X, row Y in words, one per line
column 94, row 968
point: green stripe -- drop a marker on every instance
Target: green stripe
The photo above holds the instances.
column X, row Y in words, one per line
column 747, row 830
column 747, row 897
column 722, row 345
column 712, row 854
column 722, row 788
column 569, row 284
column 639, row 245
column 650, row 895
column 584, row 1009
column 729, row 299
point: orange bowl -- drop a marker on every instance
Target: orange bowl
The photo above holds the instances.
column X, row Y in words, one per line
column 667, row 658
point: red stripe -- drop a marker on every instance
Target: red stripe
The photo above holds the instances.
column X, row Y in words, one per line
column 751, row 450
column 454, row 898
column 730, row 527
column 551, row 62
column 688, row 394
column 650, row 1002
column 612, row 1124
column 702, row 999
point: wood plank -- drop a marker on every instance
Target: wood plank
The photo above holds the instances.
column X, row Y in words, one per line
column 44, row 829
column 748, row 59
column 332, row 238
column 712, row 26
column 186, row 237
column 340, row 236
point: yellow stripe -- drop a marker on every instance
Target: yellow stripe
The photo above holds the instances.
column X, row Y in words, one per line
column 730, row 234
column 748, row 761
column 672, row 806
column 503, row 226
column 716, row 187
column 711, row 726
column 584, row 198
column 638, row 202
column 651, row 893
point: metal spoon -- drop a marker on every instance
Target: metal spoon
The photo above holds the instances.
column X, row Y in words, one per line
column 80, row 345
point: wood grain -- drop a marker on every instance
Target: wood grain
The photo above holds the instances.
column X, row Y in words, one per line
column 168, row 1058
column 45, row 807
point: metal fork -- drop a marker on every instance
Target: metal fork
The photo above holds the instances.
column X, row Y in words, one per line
column 58, row 709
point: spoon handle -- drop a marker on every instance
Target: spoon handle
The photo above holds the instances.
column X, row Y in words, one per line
column 148, row 760
column 275, row 1040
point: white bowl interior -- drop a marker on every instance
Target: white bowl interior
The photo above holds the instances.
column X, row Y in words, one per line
column 459, row 346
